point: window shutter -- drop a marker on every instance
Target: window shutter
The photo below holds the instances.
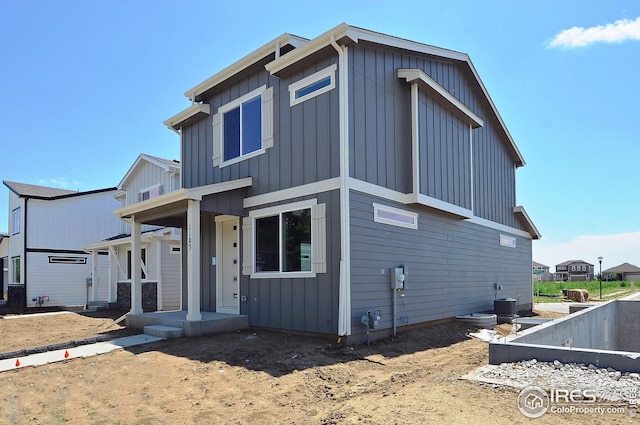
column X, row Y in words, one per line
column 247, row 249
column 319, row 235
column 217, row 139
column 139, row 196
column 161, row 190
column 267, row 118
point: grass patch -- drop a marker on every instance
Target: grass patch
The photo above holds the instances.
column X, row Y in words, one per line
column 610, row 290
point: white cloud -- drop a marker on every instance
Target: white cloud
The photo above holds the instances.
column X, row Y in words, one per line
column 615, row 249
column 62, row 182
column 624, row 29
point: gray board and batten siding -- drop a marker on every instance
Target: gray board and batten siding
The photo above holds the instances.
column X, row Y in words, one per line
column 380, row 134
column 307, row 139
column 452, row 265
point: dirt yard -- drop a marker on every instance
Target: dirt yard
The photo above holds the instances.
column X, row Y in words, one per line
column 258, row 377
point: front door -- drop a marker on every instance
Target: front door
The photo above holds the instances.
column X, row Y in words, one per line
column 228, row 265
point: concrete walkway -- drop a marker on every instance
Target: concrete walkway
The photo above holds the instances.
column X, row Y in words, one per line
column 555, row 307
column 88, row 350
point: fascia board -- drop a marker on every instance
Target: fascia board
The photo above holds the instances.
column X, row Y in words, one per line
column 243, row 63
column 176, row 121
column 521, row 162
column 524, row 217
column 441, row 94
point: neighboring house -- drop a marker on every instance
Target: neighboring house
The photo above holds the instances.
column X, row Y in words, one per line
column 49, row 228
column 312, row 169
column 4, row 264
column 148, row 178
column 573, row 270
column 540, row 272
column 624, row 271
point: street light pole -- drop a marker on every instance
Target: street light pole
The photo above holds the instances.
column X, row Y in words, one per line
column 600, row 261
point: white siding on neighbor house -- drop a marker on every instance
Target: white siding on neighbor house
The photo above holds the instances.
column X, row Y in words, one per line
column 64, row 284
column 103, row 278
column 147, row 175
column 71, row 223
column 170, row 277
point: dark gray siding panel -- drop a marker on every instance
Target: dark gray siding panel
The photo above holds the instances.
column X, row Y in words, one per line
column 380, row 134
column 453, row 266
column 207, row 271
column 445, row 154
column 309, row 305
column 306, row 137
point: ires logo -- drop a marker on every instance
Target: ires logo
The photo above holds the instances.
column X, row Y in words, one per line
column 573, row 396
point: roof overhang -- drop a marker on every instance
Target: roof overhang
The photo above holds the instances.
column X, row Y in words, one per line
column 431, row 87
column 192, row 113
column 273, row 47
column 175, row 203
column 526, row 221
column 345, row 34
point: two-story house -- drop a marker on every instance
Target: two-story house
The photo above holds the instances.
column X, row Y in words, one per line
column 149, row 177
column 313, row 169
column 574, row 270
column 49, row 228
column 540, row 272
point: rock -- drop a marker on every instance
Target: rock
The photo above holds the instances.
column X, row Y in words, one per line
column 634, row 375
column 557, row 364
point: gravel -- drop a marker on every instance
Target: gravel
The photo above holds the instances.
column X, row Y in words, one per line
column 609, row 384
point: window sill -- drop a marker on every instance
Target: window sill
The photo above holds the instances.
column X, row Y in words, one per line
column 282, row 275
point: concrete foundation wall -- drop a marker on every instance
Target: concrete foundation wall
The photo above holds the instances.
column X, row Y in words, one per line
column 593, row 328
column 628, row 326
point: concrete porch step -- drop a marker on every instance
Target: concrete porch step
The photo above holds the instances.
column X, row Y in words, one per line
column 163, row 331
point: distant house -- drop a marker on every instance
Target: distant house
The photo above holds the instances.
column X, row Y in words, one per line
column 4, row 264
column 540, row 272
column 49, row 228
column 624, row 271
column 317, row 174
column 574, row 270
column 148, row 178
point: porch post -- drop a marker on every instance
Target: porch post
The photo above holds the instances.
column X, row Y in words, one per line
column 110, row 297
column 193, row 261
column 94, row 275
column 136, row 268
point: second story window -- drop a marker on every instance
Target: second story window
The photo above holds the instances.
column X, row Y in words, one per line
column 243, row 128
column 150, row 192
column 16, row 221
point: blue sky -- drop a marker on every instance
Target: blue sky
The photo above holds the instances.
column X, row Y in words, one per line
column 86, row 85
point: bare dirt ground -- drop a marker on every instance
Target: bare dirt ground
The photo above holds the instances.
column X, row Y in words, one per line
column 259, row 377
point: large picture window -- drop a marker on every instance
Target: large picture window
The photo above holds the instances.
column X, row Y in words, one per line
column 289, row 240
column 283, row 242
column 243, row 128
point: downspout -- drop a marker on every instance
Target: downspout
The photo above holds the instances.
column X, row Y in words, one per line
column 344, row 295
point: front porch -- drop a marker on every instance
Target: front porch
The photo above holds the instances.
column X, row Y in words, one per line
column 210, row 322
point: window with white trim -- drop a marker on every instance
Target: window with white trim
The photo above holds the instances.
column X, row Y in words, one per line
column 16, row 221
column 285, row 241
column 151, row 192
column 313, row 85
column 394, row 216
column 56, row 259
column 243, row 128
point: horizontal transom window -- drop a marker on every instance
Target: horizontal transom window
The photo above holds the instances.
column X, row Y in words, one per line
column 394, row 216
column 313, row 85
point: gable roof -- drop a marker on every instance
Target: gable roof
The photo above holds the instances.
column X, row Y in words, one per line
column 623, row 268
column 298, row 48
column 25, row 190
column 570, row 262
column 536, row 264
column 345, row 34
column 166, row 164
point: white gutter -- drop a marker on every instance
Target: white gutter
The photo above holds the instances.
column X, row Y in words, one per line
column 344, row 293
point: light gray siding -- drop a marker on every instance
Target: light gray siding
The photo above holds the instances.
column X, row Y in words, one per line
column 453, row 266
column 309, row 305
